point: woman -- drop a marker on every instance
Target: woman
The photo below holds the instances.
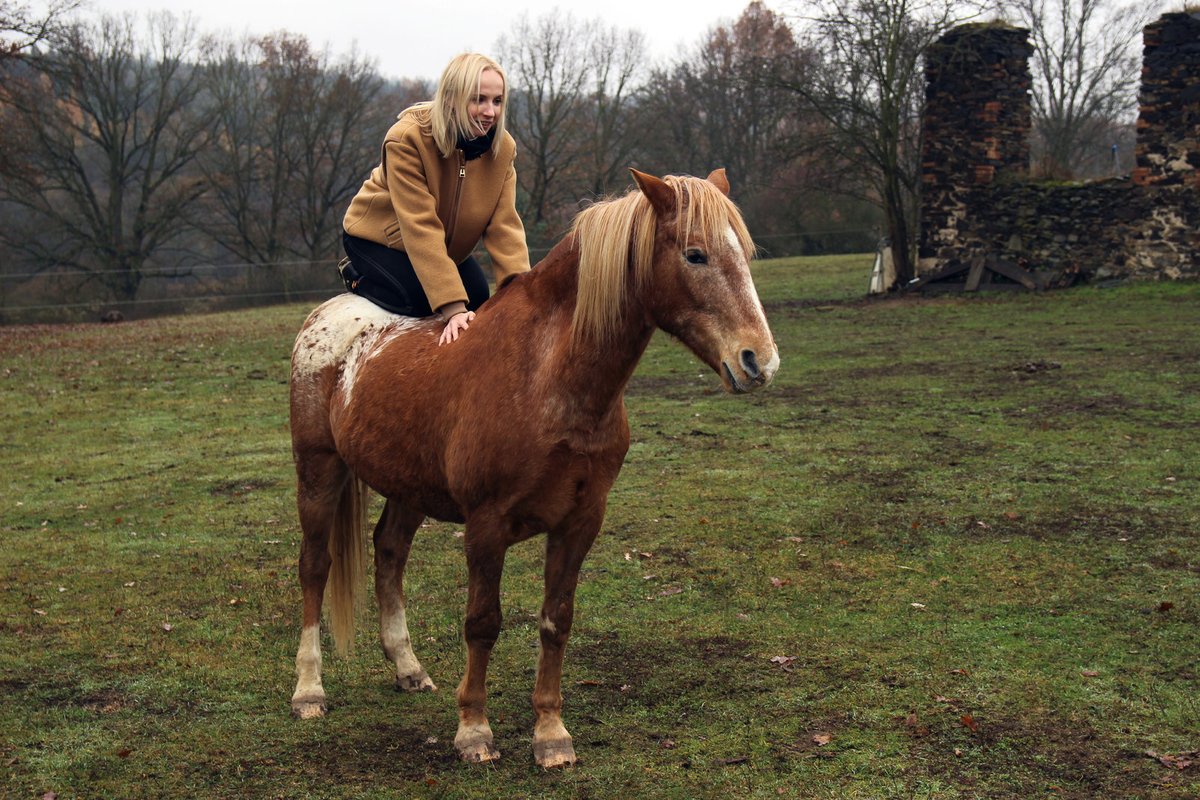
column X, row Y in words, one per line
column 446, row 181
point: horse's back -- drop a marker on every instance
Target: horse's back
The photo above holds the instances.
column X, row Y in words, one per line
column 333, row 342
column 337, row 327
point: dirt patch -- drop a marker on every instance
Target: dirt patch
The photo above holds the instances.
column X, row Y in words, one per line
column 402, row 752
column 240, row 487
column 819, row 739
column 1068, row 757
column 106, row 701
column 652, row 673
column 1110, row 524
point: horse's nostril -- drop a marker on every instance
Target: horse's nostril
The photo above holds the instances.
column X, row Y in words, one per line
column 750, row 363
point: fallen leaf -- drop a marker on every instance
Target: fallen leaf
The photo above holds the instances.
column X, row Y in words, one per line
column 917, row 606
column 822, row 739
column 960, row 672
column 1011, row 515
column 1089, row 673
column 969, row 722
column 784, row 662
column 1180, row 762
column 39, row 612
column 168, row 627
column 50, row 796
column 667, row 744
column 124, row 752
column 912, row 723
column 236, row 601
column 778, row 583
column 671, row 591
column 1165, row 606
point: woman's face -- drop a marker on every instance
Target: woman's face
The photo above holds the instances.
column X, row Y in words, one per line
column 484, row 108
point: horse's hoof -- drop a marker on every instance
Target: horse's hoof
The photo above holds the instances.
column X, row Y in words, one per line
column 555, row 754
column 420, row 682
column 479, row 753
column 308, row 707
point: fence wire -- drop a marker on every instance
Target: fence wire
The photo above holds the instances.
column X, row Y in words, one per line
column 53, row 294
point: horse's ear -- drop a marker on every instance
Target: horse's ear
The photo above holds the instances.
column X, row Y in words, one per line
column 717, row 178
column 661, row 197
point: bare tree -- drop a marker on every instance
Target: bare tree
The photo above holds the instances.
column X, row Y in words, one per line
column 617, row 60
column 547, row 63
column 296, row 133
column 723, row 105
column 1086, row 70
column 870, row 92
column 107, row 129
column 22, row 29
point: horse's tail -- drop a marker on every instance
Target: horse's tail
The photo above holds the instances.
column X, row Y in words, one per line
column 348, row 562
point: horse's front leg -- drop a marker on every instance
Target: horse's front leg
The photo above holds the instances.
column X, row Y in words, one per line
column 565, row 551
column 485, row 564
column 393, row 540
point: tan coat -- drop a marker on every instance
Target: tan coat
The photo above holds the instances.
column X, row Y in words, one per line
column 437, row 209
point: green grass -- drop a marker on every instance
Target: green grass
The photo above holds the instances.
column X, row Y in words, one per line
column 964, row 528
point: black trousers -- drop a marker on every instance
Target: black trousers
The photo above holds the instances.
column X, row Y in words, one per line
column 386, row 277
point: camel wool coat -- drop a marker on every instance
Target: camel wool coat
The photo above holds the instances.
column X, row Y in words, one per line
column 438, row 209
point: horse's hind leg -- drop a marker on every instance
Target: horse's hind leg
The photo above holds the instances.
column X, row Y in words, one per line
column 322, row 478
column 485, row 563
column 393, row 539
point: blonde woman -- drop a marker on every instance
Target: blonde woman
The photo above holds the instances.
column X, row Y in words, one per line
column 445, row 182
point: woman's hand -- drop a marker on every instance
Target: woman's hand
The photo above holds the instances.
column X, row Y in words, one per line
column 456, row 325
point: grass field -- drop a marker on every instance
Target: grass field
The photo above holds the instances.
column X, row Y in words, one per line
column 950, row 553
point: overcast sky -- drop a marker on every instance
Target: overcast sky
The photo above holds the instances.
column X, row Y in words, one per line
column 415, row 38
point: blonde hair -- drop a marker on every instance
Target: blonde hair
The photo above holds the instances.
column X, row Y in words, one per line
column 447, row 117
column 617, row 236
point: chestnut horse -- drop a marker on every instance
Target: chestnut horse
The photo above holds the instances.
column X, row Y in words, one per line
column 517, row 428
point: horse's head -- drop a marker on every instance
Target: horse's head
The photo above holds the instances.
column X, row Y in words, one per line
column 699, row 287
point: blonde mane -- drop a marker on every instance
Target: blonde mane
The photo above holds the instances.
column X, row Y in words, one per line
column 616, row 237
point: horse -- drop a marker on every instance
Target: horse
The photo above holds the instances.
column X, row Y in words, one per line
column 517, row 429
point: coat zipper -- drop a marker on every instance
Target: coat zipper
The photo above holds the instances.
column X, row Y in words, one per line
column 462, row 176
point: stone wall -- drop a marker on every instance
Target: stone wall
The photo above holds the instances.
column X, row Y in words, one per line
column 978, row 203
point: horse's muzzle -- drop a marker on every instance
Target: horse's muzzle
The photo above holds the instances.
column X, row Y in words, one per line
column 750, row 374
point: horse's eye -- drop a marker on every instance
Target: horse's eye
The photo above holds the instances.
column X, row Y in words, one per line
column 695, row 256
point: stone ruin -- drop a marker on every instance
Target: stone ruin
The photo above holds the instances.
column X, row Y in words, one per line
column 985, row 222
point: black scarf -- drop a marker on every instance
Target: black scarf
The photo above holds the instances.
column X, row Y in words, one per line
column 474, row 148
